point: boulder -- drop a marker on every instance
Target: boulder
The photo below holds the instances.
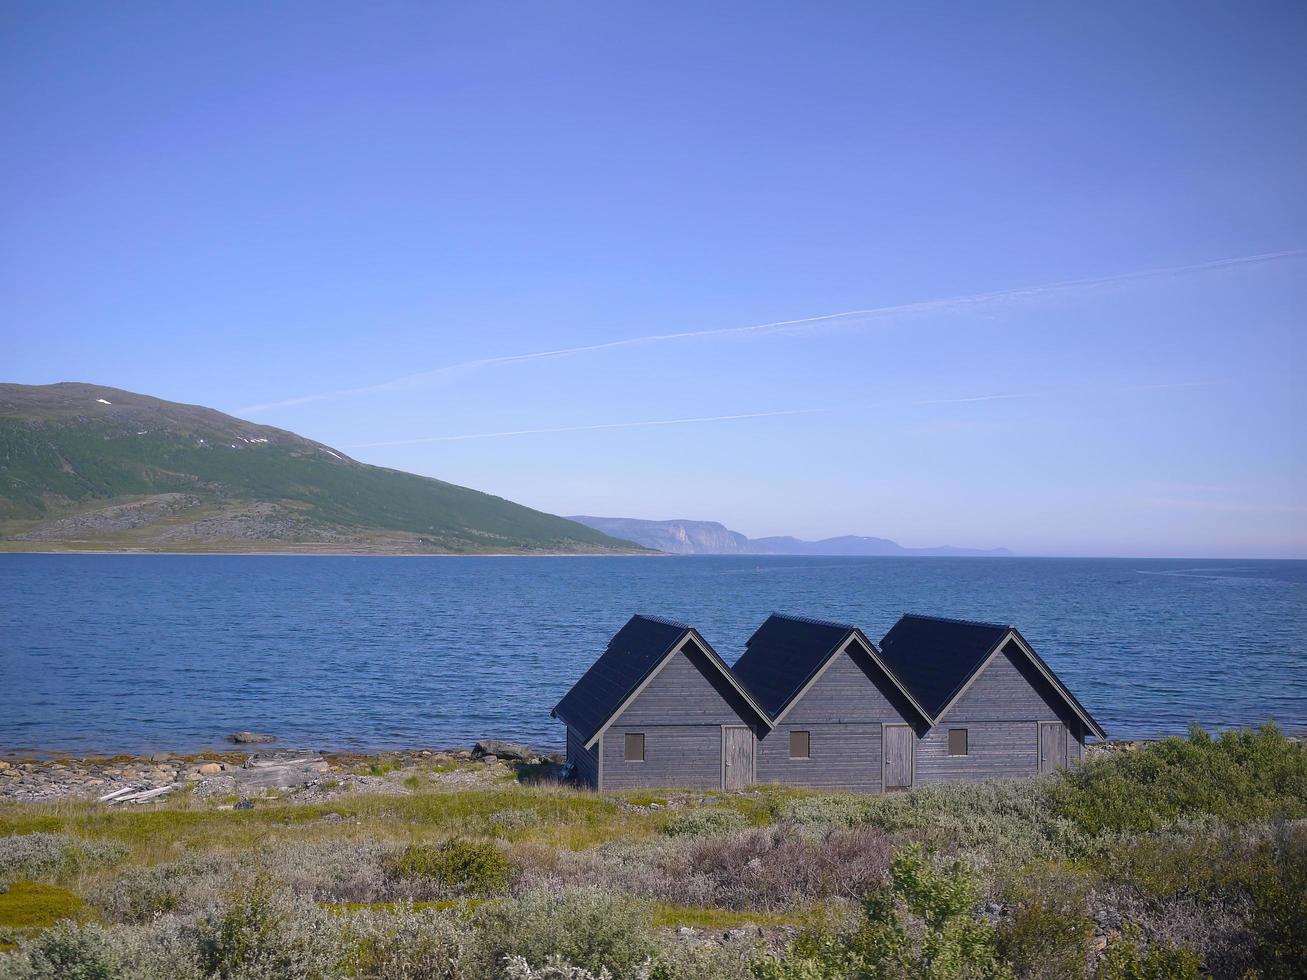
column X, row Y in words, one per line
column 209, row 769
column 252, row 738
column 503, row 750
column 3, row 765
column 160, row 757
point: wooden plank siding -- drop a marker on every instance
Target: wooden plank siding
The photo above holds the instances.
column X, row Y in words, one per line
column 843, row 711
column 680, row 712
column 585, row 761
column 687, row 756
column 1001, row 711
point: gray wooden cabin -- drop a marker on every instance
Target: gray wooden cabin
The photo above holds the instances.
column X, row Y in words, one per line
column 660, row 708
column 818, row 704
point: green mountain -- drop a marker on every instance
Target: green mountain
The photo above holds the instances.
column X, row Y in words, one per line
column 88, row 467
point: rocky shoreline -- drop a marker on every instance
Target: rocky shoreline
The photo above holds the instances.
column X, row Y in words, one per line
column 238, row 777
column 241, row 775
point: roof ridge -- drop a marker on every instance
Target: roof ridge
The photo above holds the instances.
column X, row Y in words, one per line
column 664, row 621
column 814, row 621
column 960, row 622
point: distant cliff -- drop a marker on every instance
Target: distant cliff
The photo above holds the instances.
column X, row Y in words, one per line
column 674, row 537
column 712, row 538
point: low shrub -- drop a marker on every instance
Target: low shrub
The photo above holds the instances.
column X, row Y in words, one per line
column 460, row 866
column 922, row 926
column 262, row 933
column 1240, row 777
column 405, row 943
column 1047, row 933
column 89, row 951
column 1279, row 897
column 587, row 929
column 138, row 894
column 505, row 822
column 1003, row 823
column 43, row 855
column 1127, row 959
column 698, row 823
column 780, row 866
column 822, row 811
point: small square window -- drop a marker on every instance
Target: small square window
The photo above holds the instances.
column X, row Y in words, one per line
column 799, row 745
column 957, row 741
column 634, row 748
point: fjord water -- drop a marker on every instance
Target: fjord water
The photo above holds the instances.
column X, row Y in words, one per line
column 103, row 653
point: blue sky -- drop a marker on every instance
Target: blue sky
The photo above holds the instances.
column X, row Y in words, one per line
column 1079, row 230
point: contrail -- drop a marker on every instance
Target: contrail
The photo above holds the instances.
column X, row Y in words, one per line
column 1157, row 386
column 950, row 304
column 586, row 428
column 974, row 398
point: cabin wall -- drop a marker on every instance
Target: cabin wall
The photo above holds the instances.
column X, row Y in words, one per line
column 843, row 713
column 680, row 713
column 688, row 756
column 1001, row 712
column 585, row 761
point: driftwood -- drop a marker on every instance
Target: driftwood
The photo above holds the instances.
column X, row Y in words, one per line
column 141, row 797
column 112, row 796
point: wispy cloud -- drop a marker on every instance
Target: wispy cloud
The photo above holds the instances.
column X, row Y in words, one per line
column 953, row 304
column 587, row 428
column 1119, row 389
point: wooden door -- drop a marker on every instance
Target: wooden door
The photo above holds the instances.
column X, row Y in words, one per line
column 900, row 743
column 1052, row 746
column 737, row 757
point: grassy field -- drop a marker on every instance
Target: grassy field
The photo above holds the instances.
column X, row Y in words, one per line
column 1185, row 858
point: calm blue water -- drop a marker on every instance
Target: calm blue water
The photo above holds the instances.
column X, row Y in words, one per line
column 130, row 653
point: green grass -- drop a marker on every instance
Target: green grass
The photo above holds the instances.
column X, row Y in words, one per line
column 669, row 916
column 30, row 905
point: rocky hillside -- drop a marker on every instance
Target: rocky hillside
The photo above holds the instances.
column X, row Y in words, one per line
column 711, row 538
column 88, row 467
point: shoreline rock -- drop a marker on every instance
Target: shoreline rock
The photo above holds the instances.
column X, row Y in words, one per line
column 251, row 738
column 214, row 775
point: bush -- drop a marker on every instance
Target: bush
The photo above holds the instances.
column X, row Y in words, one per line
column 1126, row 959
column 781, row 866
column 1279, row 898
column 504, row 822
column 922, row 926
column 407, row 943
column 52, row 855
column 698, row 823
column 1047, row 934
column 588, row 929
column 1241, row 777
column 264, row 935
column 823, row 811
column 999, row 822
column 92, row 952
column 139, row 894
column 458, row 865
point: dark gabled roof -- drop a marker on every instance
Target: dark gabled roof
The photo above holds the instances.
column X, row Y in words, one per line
column 936, row 657
column 783, row 654
column 634, row 653
column 786, row 652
